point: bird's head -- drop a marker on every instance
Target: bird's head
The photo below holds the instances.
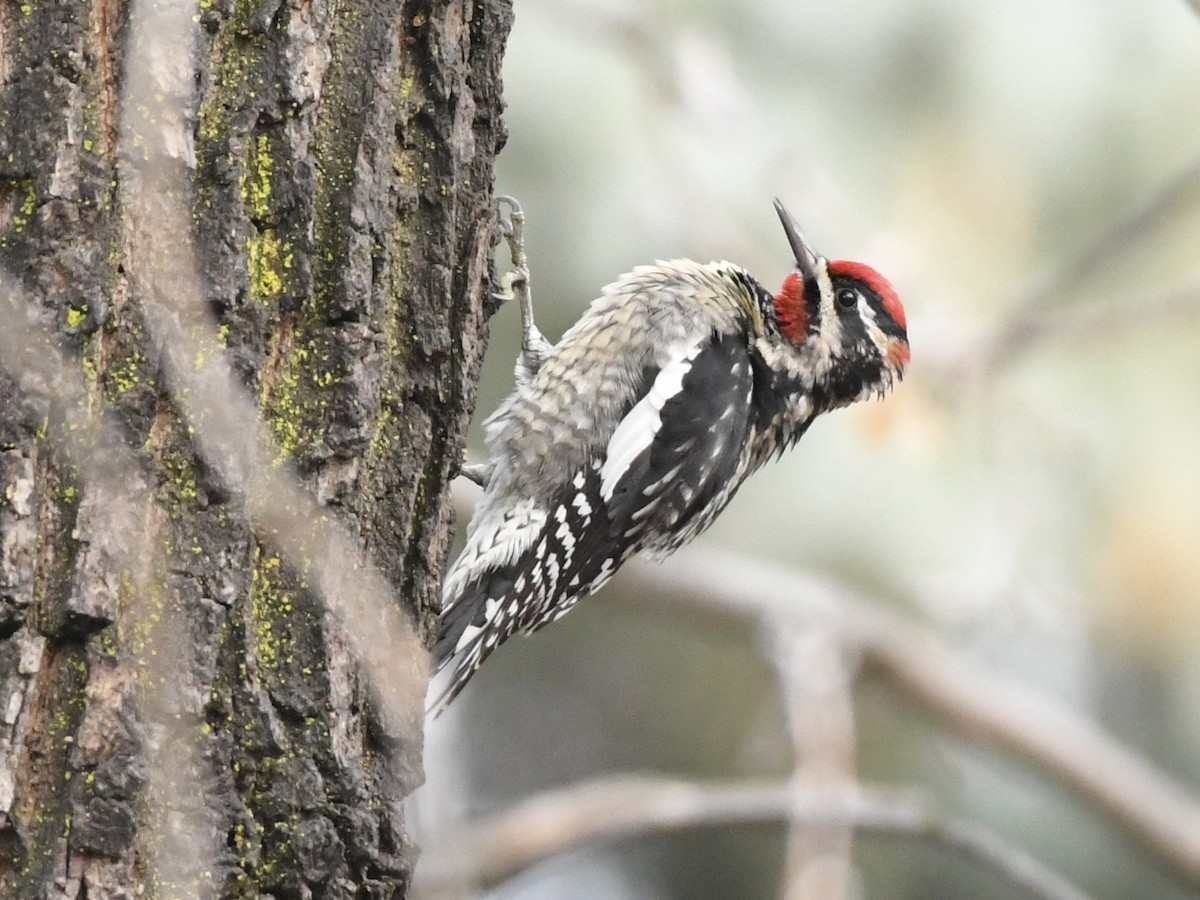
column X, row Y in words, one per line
column 843, row 318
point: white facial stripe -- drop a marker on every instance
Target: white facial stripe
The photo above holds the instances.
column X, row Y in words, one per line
column 874, row 332
column 639, row 427
column 829, row 342
column 865, row 310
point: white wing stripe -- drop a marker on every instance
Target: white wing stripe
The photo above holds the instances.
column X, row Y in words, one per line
column 639, row 427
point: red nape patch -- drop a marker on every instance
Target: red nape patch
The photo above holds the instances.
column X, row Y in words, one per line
column 876, row 282
column 790, row 311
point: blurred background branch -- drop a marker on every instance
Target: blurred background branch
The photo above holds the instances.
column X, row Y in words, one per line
column 1029, row 495
column 627, row 807
column 815, row 680
column 1053, row 309
column 1156, row 810
column 819, row 635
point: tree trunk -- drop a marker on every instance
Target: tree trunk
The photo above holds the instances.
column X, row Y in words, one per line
column 340, row 159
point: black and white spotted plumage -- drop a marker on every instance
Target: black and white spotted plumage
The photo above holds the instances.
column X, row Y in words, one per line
column 642, row 422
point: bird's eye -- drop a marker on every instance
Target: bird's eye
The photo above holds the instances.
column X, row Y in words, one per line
column 847, row 298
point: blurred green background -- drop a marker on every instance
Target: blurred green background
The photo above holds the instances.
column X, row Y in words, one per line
column 1033, row 498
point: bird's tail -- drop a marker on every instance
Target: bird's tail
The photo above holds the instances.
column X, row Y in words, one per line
column 472, row 626
column 485, row 592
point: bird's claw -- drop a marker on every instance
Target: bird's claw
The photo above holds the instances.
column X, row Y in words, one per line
column 514, row 285
column 509, row 227
column 511, row 282
column 480, row 473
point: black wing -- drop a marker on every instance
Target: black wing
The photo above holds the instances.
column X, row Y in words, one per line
column 672, row 465
column 686, row 474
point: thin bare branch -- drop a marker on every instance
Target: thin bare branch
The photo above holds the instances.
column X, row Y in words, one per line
column 609, row 809
column 1080, row 323
column 1154, row 809
column 815, row 681
column 1035, row 310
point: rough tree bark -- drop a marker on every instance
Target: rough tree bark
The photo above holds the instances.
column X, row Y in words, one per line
column 342, row 216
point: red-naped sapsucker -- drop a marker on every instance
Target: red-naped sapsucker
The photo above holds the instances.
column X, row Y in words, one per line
column 634, row 431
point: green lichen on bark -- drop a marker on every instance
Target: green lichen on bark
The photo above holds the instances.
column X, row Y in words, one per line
column 295, row 397
column 271, row 256
column 279, row 620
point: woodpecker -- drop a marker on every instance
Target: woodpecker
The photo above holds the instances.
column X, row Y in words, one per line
column 633, row 432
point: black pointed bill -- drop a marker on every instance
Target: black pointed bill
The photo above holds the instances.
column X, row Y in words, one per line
column 806, row 256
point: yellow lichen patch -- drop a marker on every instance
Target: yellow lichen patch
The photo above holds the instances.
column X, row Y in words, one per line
column 108, row 640
column 272, row 603
column 124, row 375
column 178, row 489
column 76, row 317
column 179, row 482
column 256, row 178
column 403, row 164
column 294, row 396
column 234, row 63
column 270, row 263
column 23, row 214
column 279, row 400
